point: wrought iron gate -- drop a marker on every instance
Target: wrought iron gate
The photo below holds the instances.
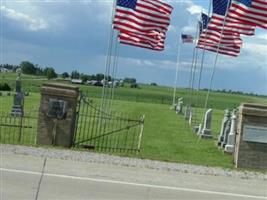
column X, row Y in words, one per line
column 102, row 131
column 15, row 129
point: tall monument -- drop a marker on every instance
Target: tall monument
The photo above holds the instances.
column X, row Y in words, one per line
column 17, row 108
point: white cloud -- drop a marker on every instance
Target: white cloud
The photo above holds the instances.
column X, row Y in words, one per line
column 262, row 36
column 172, row 28
column 189, row 29
column 28, row 22
column 256, row 51
column 194, row 9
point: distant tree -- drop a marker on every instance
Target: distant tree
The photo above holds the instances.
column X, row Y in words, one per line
column 5, row 87
column 129, row 80
column 99, row 77
column 27, row 67
column 39, row 70
column 154, row 84
column 85, row 77
column 65, row 75
column 49, row 72
column 9, row 66
column 75, row 74
column 134, row 85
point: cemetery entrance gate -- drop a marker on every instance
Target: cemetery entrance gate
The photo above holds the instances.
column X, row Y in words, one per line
column 106, row 130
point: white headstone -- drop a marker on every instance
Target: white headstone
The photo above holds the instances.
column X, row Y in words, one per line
column 179, row 107
column 226, row 133
column 223, row 126
column 230, row 146
column 187, row 112
column 206, row 131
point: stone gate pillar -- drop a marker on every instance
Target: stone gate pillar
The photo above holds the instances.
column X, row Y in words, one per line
column 251, row 139
column 57, row 115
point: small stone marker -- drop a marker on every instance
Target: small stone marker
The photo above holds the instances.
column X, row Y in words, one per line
column 187, row 112
column 230, row 146
column 179, row 107
column 226, row 133
column 206, row 131
column 223, row 126
column 198, row 129
column 251, row 139
column 17, row 108
column 57, row 115
column 190, row 116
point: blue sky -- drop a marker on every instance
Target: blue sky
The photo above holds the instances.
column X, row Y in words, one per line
column 73, row 35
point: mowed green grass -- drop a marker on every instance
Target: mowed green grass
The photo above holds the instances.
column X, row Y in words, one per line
column 167, row 136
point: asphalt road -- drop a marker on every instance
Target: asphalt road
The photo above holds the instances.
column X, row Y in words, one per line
column 28, row 177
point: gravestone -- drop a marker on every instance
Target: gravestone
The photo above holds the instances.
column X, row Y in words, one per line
column 223, row 126
column 57, row 115
column 179, row 107
column 206, row 131
column 190, row 120
column 187, row 112
column 229, row 147
column 197, row 129
column 18, row 101
column 251, row 138
column 226, row 133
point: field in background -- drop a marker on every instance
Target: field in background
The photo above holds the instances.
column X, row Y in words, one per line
column 167, row 136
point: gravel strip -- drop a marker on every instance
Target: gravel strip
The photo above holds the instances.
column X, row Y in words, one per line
column 124, row 161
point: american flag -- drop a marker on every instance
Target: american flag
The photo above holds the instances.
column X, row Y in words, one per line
column 142, row 23
column 142, row 16
column 155, row 42
column 252, row 12
column 221, row 49
column 231, row 24
column 187, row 38
column 203, row 24
column 224, row 42
column 216, row 37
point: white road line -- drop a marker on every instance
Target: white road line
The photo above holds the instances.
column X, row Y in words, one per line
column 133, row 184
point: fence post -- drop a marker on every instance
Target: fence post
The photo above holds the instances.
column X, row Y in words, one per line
column 142, row 120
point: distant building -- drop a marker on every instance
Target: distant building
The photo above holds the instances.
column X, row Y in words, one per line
column 94, row 83
column 2, row 69
column 76, row 81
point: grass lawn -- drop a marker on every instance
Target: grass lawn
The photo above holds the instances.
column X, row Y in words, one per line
column 167, row 136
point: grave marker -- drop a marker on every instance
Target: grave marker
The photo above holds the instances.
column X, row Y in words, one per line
column 206, row 131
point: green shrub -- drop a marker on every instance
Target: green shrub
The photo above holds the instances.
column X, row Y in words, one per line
column 5, row 87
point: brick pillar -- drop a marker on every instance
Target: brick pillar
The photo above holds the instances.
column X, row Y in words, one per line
column 251, row 139
column 57, row 115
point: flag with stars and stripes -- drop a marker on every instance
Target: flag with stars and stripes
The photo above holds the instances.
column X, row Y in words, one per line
column 142, row 16
column 231, row 24
column 187, row 38
column 215, row 37
column 252, row 12
column 154, row 42
column 232, row 50
column 227, row 43
column 142, row 23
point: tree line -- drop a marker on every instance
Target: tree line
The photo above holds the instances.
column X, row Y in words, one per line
column 34, row 69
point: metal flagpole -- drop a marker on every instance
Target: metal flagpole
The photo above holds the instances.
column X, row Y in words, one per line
column 215, row 61
column 191, row 71
column 113, row 75
column 193, row 79
column 202, row 58
column 115, row 69
column 177, row 68
column 108, row 59
column 101, row 125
